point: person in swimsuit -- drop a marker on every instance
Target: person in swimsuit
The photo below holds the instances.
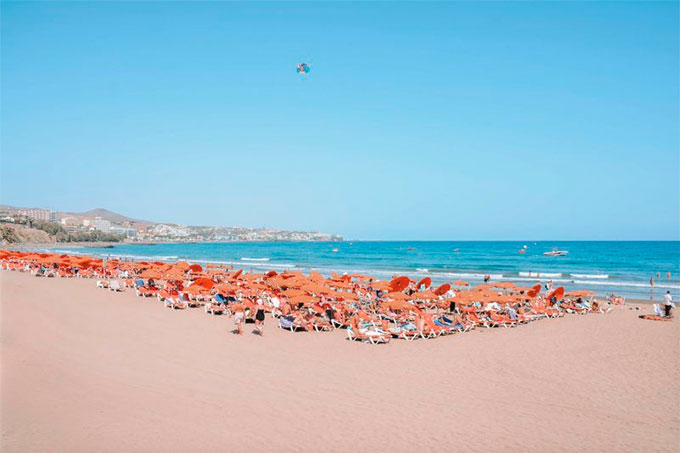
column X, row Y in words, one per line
column 259, row 317
column 239, row 314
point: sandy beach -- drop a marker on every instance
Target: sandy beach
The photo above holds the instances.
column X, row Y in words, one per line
column 85, row 369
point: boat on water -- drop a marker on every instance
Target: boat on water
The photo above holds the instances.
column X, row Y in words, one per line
column 555, row 252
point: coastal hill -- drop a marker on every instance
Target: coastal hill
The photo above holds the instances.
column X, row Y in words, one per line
column 105, row 214
column 98, row 224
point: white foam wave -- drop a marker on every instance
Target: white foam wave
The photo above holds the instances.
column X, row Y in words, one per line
column 540, row 274
column 254, row 259
column 601, row 276
column 247, row 264
column 470, row 275
column 626, row 284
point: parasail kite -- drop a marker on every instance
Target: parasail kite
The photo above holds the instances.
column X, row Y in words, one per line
column 302, row 68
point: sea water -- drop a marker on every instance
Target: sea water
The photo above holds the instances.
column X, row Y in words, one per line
column 624, row 268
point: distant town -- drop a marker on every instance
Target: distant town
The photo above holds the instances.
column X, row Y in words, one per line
column 104, row 225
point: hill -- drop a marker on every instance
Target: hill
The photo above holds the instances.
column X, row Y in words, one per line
column 105, row 214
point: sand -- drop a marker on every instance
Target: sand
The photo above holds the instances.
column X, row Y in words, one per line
column 84, row 369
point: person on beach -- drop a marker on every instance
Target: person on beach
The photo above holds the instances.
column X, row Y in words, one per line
column 668, row 303
column 487, row 278
column 239, row 314
column 259, row 317
column 549, row 286
column 651, row 282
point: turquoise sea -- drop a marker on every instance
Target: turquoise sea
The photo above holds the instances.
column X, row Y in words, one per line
column 621, row 267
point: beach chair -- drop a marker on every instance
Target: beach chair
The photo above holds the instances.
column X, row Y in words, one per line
column 215, row 308
column 498, row 320
column 339, row 320
column 369, row 334
column 115, row 286
column 448, row 324
column 406, row 331
column 432, row 330
column 143, row 291
column 322, row 325
column 291, row 322
column 175, row 303
column 190, row 303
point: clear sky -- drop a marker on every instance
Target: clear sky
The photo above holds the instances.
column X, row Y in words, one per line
column 418, row 121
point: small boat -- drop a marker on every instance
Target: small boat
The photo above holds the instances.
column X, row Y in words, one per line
column 334, row 250
column 556, row 252
column 522, row 251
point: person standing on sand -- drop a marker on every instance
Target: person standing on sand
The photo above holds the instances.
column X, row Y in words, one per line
column 259, row 317
column 239, row 314
column 668, row 304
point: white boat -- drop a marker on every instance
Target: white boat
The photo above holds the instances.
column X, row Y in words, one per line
column 556, row 252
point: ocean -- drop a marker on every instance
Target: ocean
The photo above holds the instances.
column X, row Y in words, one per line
column 624, row 268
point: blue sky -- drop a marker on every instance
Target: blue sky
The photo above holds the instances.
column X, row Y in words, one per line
column 418, row 121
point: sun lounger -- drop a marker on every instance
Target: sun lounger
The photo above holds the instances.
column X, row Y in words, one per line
column 215, row 309
column 498, row 320
column 448, row 323
column 175, row 303
column 366, row 333
column 290, row 322
column 114, row 285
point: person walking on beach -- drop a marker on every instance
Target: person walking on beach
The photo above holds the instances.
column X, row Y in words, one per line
column 668, row 304
column 259, row 317
column 239, row 314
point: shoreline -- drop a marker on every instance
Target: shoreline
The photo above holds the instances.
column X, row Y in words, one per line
column 93, row 370
column 638, row 290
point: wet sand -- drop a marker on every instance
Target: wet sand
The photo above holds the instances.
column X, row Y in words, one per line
column 85, row 369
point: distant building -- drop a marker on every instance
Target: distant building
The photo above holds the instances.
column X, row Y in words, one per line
column 101, row 224
column 38, row 214
column 71, row 222
column 86, row 222
column 127, row 232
